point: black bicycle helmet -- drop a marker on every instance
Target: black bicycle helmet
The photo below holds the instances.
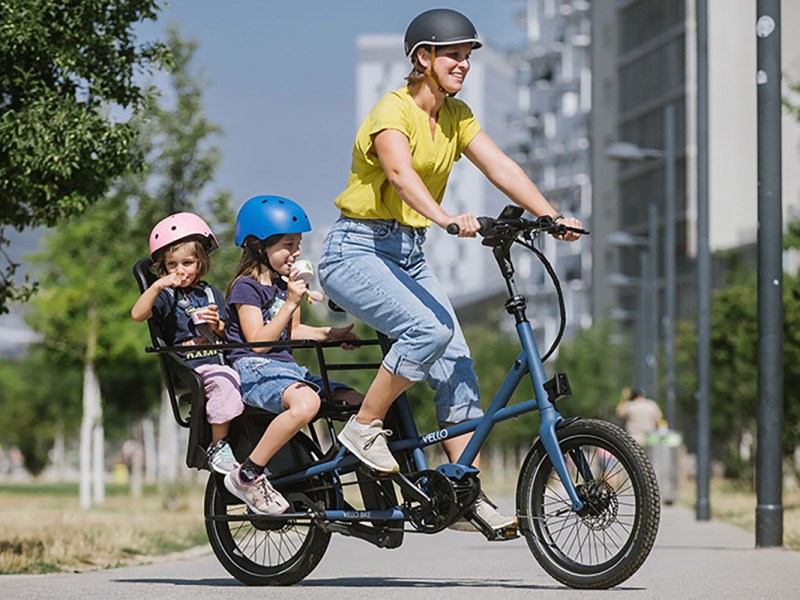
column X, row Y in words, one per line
column 440, row 27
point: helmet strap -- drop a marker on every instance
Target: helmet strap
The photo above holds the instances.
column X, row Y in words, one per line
column 262, row 257
column 432, row 74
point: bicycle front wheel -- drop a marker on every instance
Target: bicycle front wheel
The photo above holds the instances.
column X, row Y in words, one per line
column 607, row 541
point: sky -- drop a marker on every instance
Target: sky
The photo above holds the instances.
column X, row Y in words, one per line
column 280, row 82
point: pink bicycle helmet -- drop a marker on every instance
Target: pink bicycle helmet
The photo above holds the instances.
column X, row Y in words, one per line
column 181, row 226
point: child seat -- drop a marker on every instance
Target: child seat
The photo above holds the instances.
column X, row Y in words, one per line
column 182, row 382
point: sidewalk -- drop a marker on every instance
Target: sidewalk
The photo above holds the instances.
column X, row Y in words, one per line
column 711, row 559
column 690, row 561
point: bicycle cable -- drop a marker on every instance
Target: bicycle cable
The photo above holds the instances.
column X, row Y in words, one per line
column 559, row 294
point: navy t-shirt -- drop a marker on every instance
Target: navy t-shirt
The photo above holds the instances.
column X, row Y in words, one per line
column 270, row 299
column 176, row 324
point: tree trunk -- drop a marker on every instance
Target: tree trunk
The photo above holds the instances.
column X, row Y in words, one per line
column 92, row 443
column 59, row 455
column 91, row 393
column 167, row 442
column 137, row 460
column 86, row 440
column 98, row 454
column 150, row 451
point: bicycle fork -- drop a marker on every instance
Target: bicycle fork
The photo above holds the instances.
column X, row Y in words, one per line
column 550, row 417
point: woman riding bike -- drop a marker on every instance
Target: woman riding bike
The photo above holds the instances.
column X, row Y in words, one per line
column 372, row 263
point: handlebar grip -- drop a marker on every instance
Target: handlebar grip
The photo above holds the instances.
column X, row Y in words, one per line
column 486, row 224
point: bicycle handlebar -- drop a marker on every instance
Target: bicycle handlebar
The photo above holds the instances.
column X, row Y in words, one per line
column 510, row 227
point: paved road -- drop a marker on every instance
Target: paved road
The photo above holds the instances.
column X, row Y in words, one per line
column 690, row 560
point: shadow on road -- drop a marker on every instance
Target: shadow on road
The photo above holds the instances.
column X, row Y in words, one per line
column 371, row 582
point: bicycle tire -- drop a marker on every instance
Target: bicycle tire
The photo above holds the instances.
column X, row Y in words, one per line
column 278, row 555
column 608, row 541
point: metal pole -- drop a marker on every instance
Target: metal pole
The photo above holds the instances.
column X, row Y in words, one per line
column 703, row 506
column 669, row 258
column 652, row 286
column 643, row 327
column 769, row 508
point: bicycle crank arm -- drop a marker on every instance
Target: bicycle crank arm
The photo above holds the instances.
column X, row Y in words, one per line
column 382, row 538
column 410, row 491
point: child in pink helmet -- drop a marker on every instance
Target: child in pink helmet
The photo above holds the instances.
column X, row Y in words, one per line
column 192, row 314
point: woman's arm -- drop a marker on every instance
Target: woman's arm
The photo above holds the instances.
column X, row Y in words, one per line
column 323, row 334
column 506, row 175
column 394, row 154
column 509, row 178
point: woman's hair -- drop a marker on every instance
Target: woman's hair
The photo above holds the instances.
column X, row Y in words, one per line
column 417, row 73
column 252, row 258
column 196, row 246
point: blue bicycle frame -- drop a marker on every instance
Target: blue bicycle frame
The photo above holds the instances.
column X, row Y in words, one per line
column 528, row 361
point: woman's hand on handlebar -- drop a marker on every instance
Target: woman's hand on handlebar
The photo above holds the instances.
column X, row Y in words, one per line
column 467, row 224
column 569, row 236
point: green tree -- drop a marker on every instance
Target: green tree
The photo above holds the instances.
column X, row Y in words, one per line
column 180, row 162
column 81, row 312
column 87, row 288
column 598, row 368
column 175, row 139
column 39, row 396
column 734, row 368
column 67, row 70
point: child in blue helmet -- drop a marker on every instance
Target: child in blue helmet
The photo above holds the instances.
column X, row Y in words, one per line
column 263, row 301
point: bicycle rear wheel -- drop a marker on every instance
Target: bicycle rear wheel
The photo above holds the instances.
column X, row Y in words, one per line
column 610, row 538
column 268, row 552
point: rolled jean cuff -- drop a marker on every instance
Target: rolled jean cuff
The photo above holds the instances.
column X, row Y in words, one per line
column 405, row 367
column 458, row 413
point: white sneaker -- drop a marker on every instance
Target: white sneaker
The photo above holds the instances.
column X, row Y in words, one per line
column 259, row 495
column 369, row 445
column 220, row 458
column 487, row 511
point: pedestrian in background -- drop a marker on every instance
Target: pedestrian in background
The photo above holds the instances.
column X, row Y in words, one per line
column 641, row 414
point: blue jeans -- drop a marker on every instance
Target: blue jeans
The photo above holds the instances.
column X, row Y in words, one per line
column 264, row 381
column 376, row 271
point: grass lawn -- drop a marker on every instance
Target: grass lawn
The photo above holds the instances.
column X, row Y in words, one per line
column 42, row 530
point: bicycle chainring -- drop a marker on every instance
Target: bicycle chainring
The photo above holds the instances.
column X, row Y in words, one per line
column 443, row 508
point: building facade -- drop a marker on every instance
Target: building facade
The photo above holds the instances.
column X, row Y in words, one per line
column 555, row 91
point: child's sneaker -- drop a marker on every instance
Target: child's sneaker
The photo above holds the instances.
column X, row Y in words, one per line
column 220, row 458
column 259, row 495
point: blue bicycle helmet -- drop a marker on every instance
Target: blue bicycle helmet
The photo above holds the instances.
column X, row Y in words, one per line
column 264, row 216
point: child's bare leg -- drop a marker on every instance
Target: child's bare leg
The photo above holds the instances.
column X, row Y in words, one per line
column 302, row 405
column 219, row 431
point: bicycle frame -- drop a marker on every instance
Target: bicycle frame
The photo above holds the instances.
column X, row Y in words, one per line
column 528, row 362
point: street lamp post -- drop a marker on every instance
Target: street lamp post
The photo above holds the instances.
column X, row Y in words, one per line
column 627, row 151
column 647, row 317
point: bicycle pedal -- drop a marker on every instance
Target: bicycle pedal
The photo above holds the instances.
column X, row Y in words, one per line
column 504, row 534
